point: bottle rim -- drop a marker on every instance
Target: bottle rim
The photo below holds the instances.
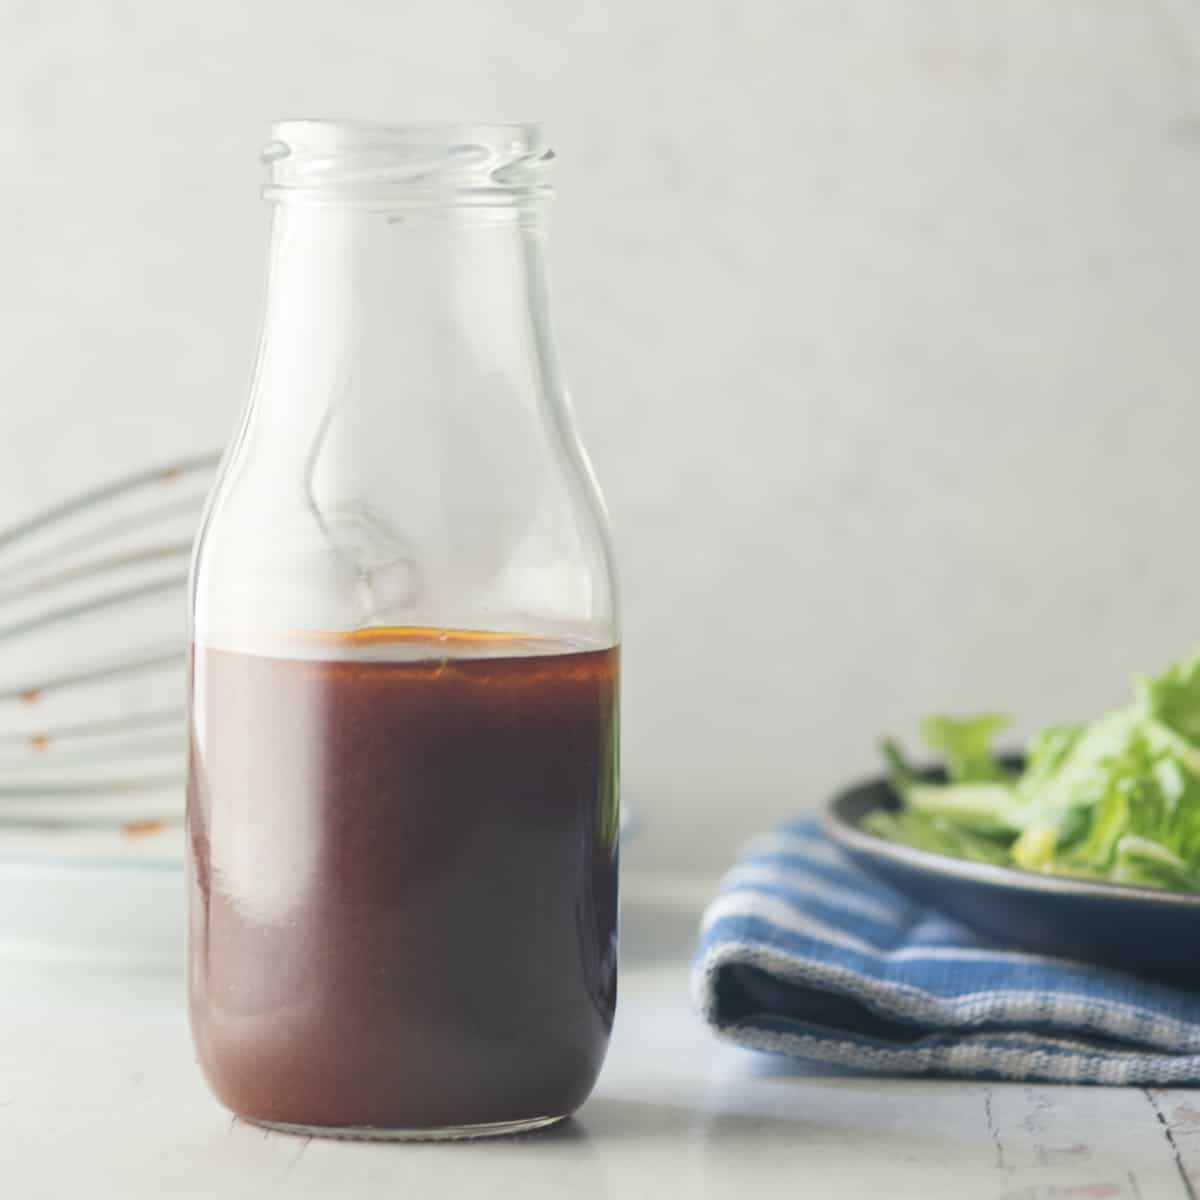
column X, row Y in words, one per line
column 380, row 164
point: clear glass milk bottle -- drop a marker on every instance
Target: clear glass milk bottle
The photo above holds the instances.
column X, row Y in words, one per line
column 403, row 786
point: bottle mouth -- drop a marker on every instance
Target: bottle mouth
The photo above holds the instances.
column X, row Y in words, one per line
column 374, row 165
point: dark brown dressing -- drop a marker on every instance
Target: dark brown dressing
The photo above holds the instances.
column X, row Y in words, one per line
column 403, row 880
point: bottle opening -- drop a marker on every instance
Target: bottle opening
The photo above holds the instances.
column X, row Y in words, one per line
column 403, row 166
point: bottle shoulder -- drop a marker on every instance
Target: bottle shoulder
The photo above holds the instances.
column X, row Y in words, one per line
column 442, row 543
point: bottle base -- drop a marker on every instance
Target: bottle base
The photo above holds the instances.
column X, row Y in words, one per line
column 380, row 1133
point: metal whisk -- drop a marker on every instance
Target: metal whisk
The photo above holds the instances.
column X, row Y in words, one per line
column 92, row 651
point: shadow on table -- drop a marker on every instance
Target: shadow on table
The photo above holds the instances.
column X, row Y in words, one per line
column 779, row 1066
column 642, row 1120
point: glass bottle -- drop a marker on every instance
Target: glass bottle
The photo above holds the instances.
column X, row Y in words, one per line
column 403, row 778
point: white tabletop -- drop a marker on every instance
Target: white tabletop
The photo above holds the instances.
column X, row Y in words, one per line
column 99, row 1096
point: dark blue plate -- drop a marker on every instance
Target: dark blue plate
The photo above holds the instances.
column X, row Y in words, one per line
column 1151, row 931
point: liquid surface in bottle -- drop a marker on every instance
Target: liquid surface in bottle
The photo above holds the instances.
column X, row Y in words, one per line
column 403, row 876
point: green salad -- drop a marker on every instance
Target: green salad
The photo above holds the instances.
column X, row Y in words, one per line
column 1117, row 799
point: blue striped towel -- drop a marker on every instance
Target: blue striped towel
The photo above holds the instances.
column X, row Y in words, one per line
column 803, row 953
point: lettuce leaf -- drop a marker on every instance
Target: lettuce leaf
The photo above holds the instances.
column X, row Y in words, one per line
column 1116, row 799
column 936, row 834
column 1173, row 699
column 967, row 746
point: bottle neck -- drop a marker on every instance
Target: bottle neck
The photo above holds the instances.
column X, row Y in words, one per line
column 371, row 315
column 406, row 279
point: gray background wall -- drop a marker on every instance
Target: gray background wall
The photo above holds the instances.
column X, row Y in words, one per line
column 880, row 317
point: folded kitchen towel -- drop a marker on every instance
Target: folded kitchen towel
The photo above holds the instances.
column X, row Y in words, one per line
column 803, row 953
